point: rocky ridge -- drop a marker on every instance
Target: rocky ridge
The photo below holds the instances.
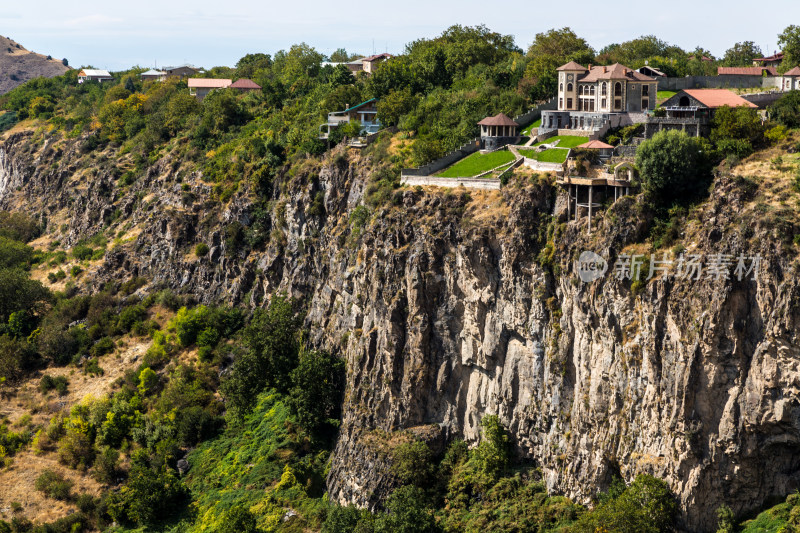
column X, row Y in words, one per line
column 448, row 307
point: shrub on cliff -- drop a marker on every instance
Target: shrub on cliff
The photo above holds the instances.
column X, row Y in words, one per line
column 674, row 167
column 316, row 393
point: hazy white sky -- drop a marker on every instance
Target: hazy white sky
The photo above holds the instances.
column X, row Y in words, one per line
column 116, row 35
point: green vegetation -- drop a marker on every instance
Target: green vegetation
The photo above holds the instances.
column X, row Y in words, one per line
column 553, row 155
column 674, row 167
column 565, row 141
column 477, row 163
column 528, row 131
column 665, row 95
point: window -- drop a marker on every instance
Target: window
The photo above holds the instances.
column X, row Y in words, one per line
column 603, row 91
column 645, row 90
column 591, row 90
column 561, row 88
column 617, row 104
column 603, row 103
column 569, row 87
column 569, row 103
column 618, row 89
column 645, row 104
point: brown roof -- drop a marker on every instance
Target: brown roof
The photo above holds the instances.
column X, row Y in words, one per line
column 571, row 66
column 718, row 98
column 595, row 145
column 244, row 83
column 745, row 71
column 209, row 83
column 775, row 57
column 614, row 72
column 702, row 58
column 376, row 57
column 794, row 72
column 500, row 119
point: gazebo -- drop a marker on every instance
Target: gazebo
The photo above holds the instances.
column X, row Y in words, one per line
column 604, row 151
column 497, row 131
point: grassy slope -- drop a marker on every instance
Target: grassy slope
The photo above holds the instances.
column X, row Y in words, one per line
column 556, row 155
column 565, row 141
column 477, row 163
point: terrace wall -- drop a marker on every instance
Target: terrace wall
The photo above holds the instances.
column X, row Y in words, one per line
column 470, row 183
column 719, row 82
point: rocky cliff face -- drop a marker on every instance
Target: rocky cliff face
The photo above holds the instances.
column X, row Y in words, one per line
column 449, row 307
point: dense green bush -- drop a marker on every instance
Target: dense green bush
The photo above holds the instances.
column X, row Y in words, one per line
column 59, row 383
column 674, row 167
column 272, row 350
column 317, row 391
column 54, row 485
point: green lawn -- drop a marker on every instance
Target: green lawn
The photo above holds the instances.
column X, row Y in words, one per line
column 663, row 95
column 566, row 141
column 554, row 155
column 477, row 163
column 527, row 131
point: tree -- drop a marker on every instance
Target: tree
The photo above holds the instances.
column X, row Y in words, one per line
column 340, row 56
column 271, row 353
column 673, row 166
column 549, row 51
column 408, row 510
column 14, row 254
column 737, row 130
column 635, row 52
column 787, row 110
column 493, row 454
column 789, row 41
column 18, row 293
column 316, row 394
column 741, row 54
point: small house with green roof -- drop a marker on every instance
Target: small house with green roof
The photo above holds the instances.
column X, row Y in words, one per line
column 366, row 113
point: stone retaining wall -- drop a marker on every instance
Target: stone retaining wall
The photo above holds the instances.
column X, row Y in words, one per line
column 470, row 183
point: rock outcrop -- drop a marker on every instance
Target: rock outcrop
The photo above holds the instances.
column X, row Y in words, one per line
column 447, row 308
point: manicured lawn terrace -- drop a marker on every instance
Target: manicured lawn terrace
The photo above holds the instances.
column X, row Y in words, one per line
column 476, row 163
column 527, row 131
column 566, row 141
column 663, row 95
column 554, row 155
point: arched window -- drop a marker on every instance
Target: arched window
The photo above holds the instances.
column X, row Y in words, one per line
column 591, row 90
column 603, row 90
column 618, row 89
column 569, row 87
column 561, row 87
column 684, row 101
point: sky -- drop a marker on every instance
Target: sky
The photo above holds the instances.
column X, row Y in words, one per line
column 118, row 35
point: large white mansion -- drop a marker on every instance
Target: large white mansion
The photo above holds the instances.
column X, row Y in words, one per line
column 587, row 96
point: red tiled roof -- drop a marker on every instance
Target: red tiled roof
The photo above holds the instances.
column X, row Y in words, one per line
column 775, row 57
column 794, row 72
column 571, row 66
column 595, row 145
column 718, row 98
column 500, row 119
column 745, row 71
column 209, row 83
column 702, row 58
column 377, row 56
column 244, row 83
column 614, row 72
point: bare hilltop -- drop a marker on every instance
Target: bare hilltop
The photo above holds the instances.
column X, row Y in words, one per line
column 18, row 65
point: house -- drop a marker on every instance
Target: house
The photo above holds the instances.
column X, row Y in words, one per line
column 200, row 87
column 791, row 80
column 245, row 85
column 773, row 61
column 88, row 74
column 366, row 113
column 371, row 63
column 152, row 74
column 182, row 71
column 589, row 96
column 746, row 71
column 691, row 110
column 650, row 71
column 497, row 131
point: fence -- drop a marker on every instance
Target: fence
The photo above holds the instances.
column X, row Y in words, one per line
column 719, row 82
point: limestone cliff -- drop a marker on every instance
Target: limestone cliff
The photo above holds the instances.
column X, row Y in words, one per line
column 449, row 306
